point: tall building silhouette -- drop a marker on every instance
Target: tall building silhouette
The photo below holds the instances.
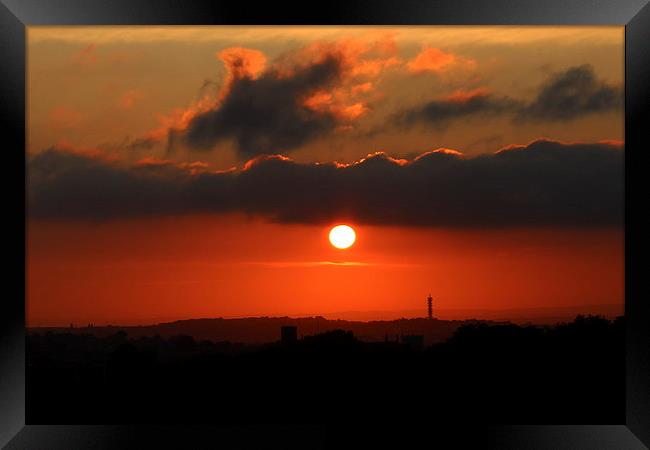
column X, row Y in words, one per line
column 430, row 306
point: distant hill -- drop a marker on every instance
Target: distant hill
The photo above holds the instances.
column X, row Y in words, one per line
column 253, row 330
column 369, row 326
column 543, row 315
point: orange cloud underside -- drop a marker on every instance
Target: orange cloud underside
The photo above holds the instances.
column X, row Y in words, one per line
column 436, row 60
column 462, row 96
column 146, row 270
column 243, row 62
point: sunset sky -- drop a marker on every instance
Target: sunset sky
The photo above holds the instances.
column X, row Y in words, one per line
column 185, row 172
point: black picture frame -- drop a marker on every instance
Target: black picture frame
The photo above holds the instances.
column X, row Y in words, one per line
column 16, row 15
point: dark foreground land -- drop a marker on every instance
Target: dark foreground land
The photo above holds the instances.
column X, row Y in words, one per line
column 492, row 373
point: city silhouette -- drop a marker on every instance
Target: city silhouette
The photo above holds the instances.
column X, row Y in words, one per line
column 484, row 371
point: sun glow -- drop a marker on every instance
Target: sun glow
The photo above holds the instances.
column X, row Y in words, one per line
column 342, row 236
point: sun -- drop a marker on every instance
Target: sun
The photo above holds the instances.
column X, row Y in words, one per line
column 342, row 236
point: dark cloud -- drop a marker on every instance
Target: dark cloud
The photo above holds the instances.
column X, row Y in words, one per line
column 572, row 94
column 544, row 183
column 440, row 112
column 63, row 184
column 264, row 115
column 564, row 96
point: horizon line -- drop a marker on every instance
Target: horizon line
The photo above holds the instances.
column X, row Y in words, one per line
column 568, row 310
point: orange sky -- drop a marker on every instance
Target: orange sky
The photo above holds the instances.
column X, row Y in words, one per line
column 147, row 270
column 133, row 133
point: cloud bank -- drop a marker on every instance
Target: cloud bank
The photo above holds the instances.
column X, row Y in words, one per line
column 544, row 183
